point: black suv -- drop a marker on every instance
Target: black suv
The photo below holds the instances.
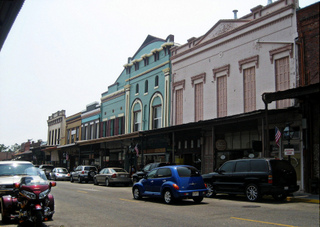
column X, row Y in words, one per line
column 253, row 178
column 139, row 175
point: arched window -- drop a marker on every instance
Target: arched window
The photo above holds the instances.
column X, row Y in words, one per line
column 156, row 111
column 137, row 89
column 146, row 86
column 136, row 115
column 156, row 81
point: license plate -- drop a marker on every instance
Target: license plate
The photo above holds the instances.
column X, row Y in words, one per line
column 122, row 175
column 286, row 188
column 195, row 193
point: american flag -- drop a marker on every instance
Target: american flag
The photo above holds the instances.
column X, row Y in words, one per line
column 136, row 149
column 277, row 136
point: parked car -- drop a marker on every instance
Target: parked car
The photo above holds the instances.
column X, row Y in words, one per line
column 59, row 173
column 112, row 175
column 47, row 169
column 253, row 178
column 10, row 173
column 171, row 183
column 83, row 173
column 139, row 175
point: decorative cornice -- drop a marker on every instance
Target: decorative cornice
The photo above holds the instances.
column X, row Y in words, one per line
column 201, row 76
column 145, row 72
column 254, row 59
column 225, row 68
column 280, row 50
column 179, row 83
column 233, row 38
column 113, row 95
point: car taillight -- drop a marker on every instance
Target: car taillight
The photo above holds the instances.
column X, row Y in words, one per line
column 114, row 175
column 175, row 186
column 82, row 172
column 270, row 179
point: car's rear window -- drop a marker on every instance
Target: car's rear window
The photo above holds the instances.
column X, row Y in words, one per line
column 281, row 165
column 117, row 170
column 259, row 166
column 90, row 168
column 62, row 171
column 13, row 169
column 188, row 172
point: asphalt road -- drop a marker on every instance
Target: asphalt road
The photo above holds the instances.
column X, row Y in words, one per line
column 89, row 205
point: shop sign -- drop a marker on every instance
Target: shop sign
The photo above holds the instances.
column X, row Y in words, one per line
column 289, row 151
column 221, row 145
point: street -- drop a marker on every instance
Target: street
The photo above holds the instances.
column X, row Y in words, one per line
column 90, row 205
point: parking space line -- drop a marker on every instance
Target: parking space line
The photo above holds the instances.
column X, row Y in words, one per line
column 82, row 191
column 263, row 222
column 133, row 201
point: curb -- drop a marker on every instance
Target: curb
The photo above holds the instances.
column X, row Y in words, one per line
column 305, row 200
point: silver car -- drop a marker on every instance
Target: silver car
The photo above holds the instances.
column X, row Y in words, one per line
column 10, row 173
column 59, row 173
column 112, row 175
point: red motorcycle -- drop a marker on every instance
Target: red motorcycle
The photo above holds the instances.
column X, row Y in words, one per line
column 31, row 200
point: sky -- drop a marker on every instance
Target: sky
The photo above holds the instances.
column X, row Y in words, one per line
column 63, row 54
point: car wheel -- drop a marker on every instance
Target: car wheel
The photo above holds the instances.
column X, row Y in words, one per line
column 252, row 192
column 5, row 218
column 95, row 182
column 136, row 193
column 280, row 197
column 168, row 197
column 71, row 179
column 198, row 199
column 108, row 182
column 92, row 174
column 211, row 191
column 79, row 179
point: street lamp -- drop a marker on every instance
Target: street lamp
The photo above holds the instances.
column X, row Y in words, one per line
column 288, row 133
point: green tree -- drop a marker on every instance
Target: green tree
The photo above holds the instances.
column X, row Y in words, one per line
column 3, row 148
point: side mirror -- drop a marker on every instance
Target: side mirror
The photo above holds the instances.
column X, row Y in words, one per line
column 53, row 183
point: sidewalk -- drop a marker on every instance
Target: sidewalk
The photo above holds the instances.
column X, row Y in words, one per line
column 303, row 197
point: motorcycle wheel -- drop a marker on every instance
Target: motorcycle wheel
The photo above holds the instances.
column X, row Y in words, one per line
column 38, row 218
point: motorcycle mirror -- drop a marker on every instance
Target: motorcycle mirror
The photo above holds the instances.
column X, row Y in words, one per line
column 53, row 183
column 16, row 185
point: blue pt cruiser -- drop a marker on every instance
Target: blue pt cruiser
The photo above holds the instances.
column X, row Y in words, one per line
column 171, row 183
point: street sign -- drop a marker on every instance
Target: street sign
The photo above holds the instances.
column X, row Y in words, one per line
column 289, row 151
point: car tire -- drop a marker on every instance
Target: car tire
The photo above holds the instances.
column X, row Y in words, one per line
column 108, row 184
column 198, row 199
column 211, row 191
column 79, row 179
column 5, row 218
column 95, row 182
column 71, row 179
column 280, row 197
column 136, row 193
column 168, row 196
column 252, row 192
column 91, row 174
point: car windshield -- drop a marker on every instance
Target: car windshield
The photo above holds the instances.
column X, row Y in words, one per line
column 188, row 172
column 13, row 169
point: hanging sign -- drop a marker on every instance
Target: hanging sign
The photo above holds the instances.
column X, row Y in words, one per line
column 289, row 151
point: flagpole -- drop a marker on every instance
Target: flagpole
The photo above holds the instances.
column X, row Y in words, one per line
column 280, row 151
